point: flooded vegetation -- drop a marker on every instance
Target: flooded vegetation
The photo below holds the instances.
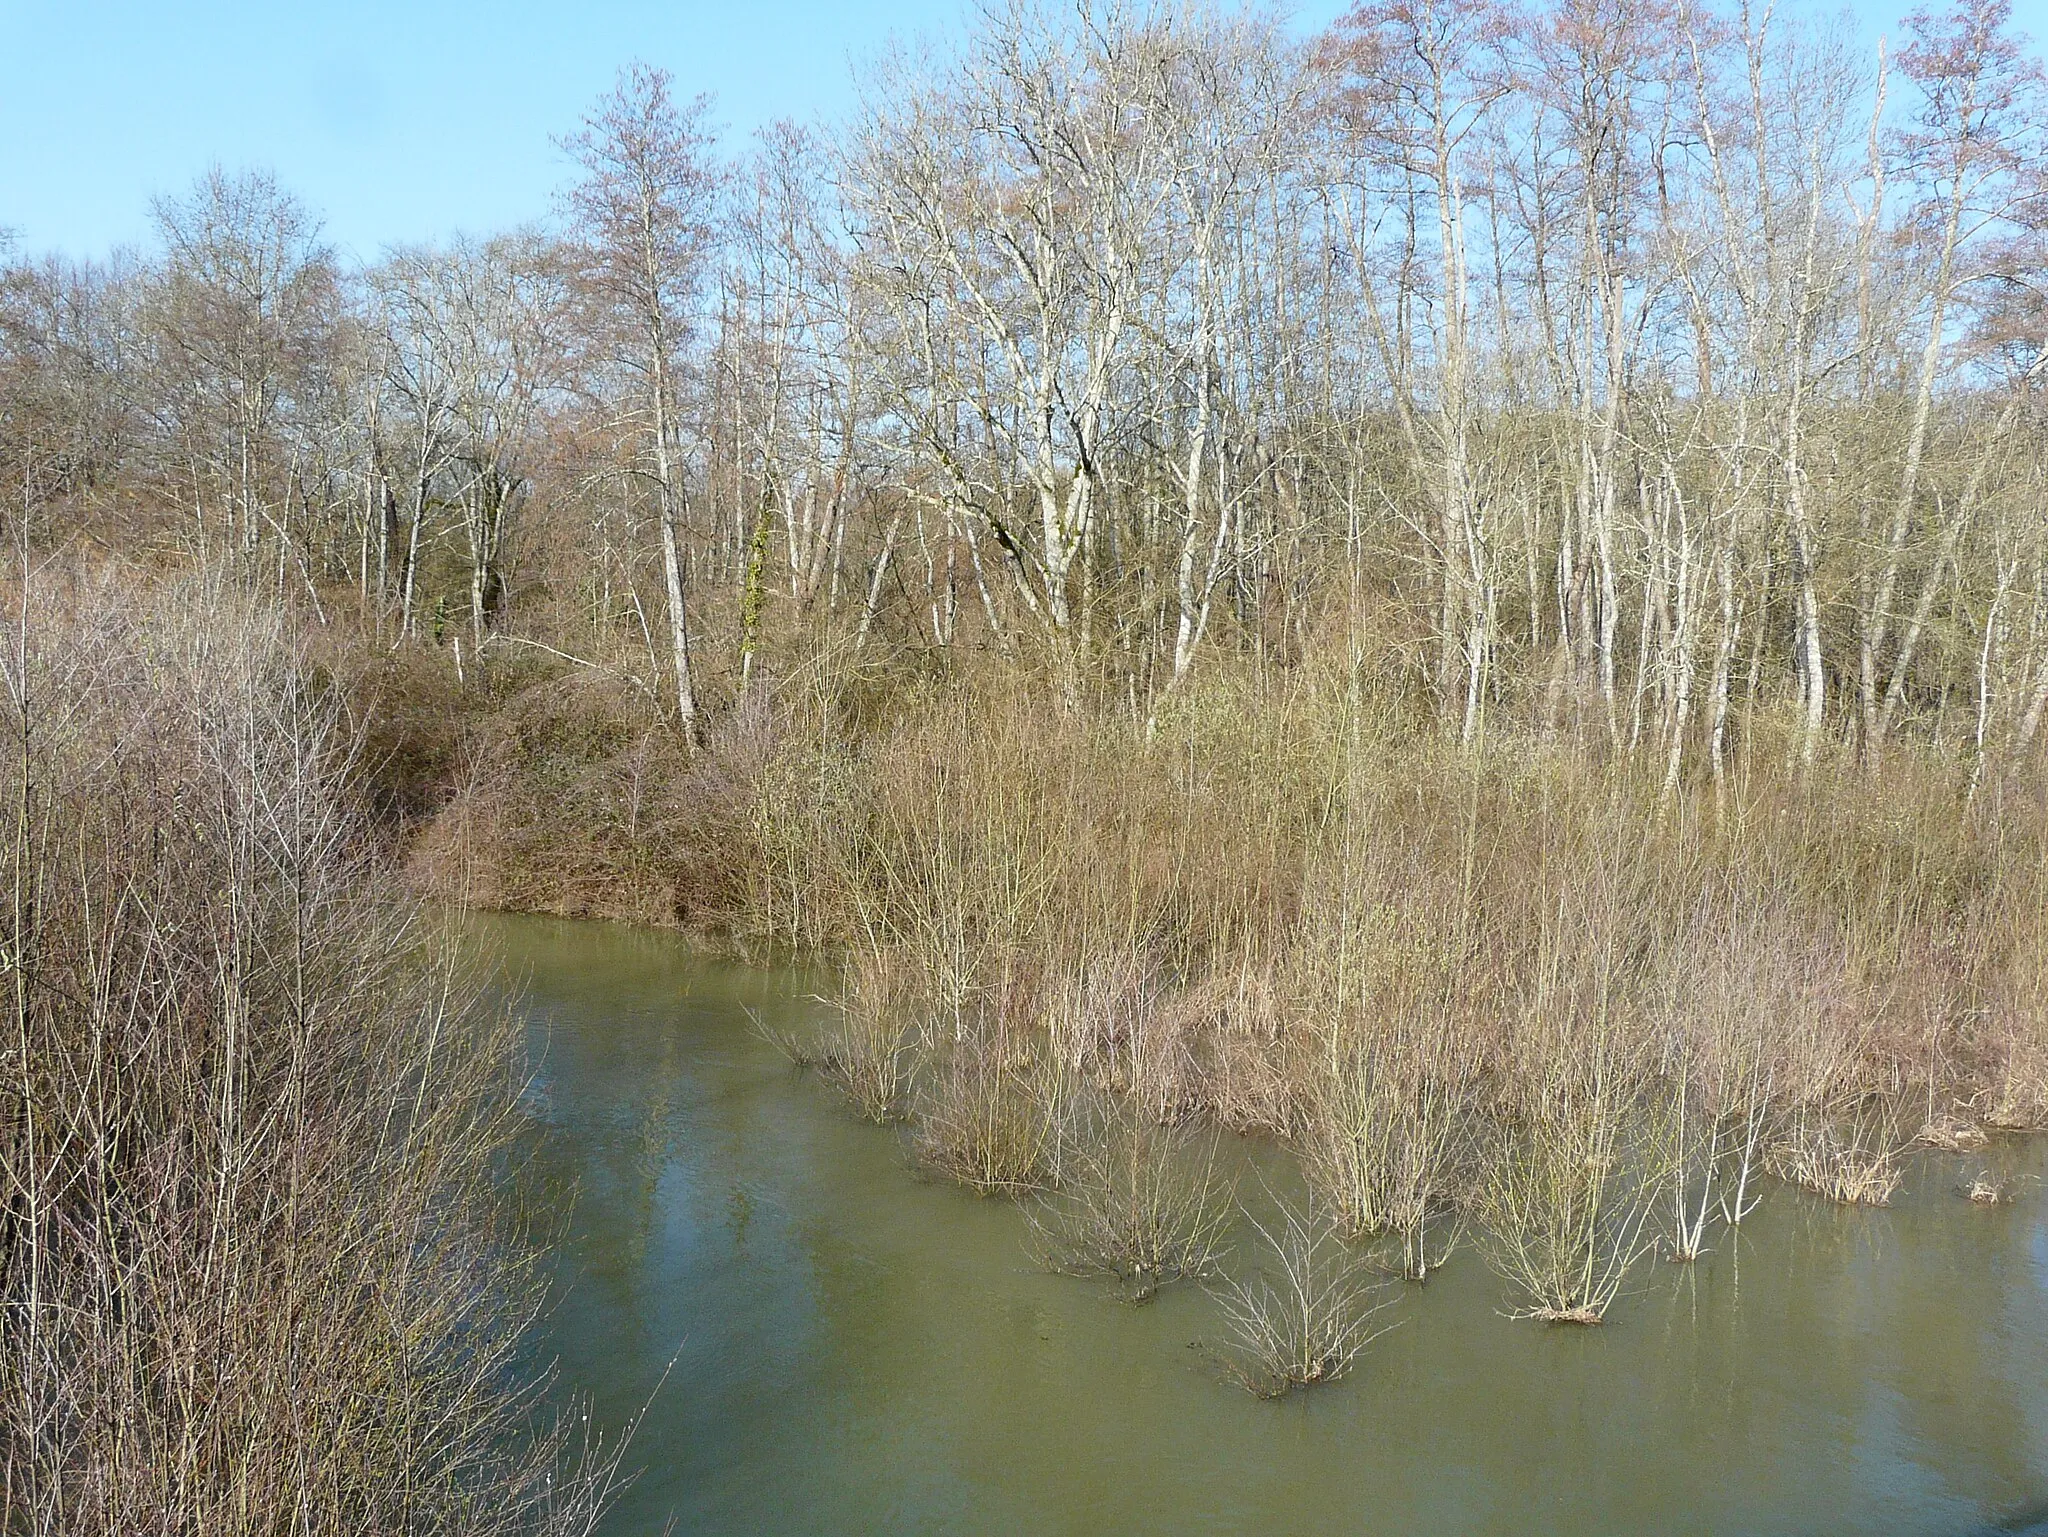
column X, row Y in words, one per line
column 857, row 1347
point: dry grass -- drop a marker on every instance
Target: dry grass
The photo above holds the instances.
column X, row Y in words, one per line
column 1951, row 1134
column 1988, row 1189
column 1851, row 1156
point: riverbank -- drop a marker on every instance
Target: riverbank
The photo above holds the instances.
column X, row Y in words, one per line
column 1520, row 990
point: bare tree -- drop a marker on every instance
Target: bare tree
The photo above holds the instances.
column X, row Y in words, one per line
column 243, row 311
column 646, row 212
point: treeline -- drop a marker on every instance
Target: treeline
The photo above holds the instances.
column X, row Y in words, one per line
column 1639, row 369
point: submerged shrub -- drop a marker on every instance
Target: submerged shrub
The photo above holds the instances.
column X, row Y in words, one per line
column 1386, row 1126
column 1305, row 1314
column 1288, row 908
column 1565, row 1204
column 1143, row 1206
column 996, row 1126
column 867, row 1050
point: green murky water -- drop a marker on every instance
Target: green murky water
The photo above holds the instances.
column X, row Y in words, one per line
column 857, row 1351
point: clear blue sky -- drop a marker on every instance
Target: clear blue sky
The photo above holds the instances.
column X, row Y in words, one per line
column 401, row 120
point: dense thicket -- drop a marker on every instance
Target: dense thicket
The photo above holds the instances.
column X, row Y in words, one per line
column 253, row 1271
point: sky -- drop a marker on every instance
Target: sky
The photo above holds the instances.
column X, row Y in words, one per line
column 403, row 121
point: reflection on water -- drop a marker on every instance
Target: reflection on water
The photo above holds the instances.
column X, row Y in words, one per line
column 856, row 1351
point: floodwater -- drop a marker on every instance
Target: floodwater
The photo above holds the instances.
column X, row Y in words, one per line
column 856, row 1350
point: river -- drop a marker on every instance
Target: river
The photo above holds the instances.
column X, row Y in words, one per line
column 857, row 1350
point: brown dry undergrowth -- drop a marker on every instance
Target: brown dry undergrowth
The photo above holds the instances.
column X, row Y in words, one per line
column 1448, row 978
